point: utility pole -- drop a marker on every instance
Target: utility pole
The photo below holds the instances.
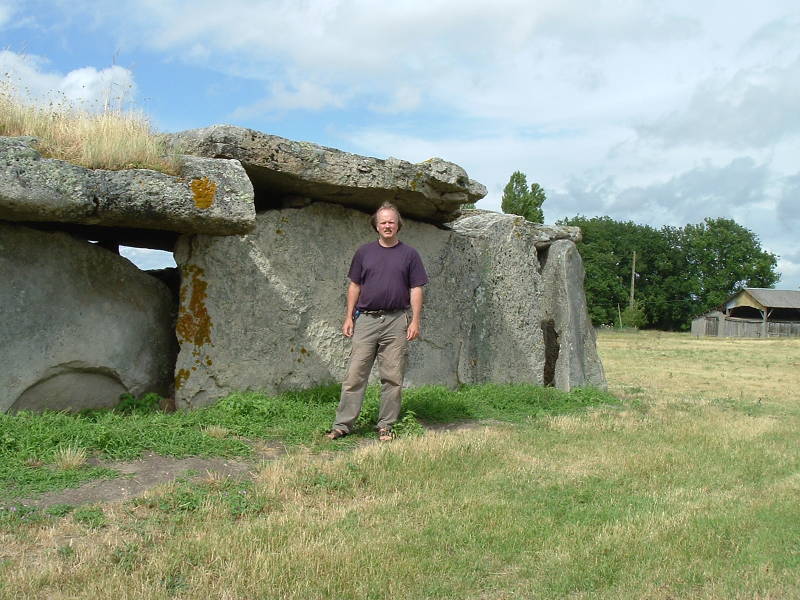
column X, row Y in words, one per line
column 633, row 276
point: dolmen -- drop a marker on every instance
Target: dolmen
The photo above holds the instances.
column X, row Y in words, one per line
column 262, row 230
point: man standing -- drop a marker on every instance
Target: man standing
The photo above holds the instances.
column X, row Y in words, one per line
column 386, row 278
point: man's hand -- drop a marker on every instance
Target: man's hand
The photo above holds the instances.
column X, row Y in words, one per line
column 412, row 332
column 353, row 292
column 347, row 327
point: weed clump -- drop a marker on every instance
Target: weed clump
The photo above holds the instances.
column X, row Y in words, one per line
column 69, row 457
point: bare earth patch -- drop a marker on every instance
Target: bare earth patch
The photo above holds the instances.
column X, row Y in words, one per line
column 138, row 476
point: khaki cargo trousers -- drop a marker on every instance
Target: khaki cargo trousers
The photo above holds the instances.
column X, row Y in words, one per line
column 375, row 336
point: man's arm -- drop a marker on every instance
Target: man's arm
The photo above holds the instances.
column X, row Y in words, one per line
column 353, row 292
column 416, row 313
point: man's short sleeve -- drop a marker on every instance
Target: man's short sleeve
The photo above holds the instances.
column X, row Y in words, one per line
column 417, row 276
column 355, row 273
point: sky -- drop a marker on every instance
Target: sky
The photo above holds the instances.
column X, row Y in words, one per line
column 661, row 113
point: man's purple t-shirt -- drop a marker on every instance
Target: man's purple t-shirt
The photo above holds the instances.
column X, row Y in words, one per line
column 386, row 275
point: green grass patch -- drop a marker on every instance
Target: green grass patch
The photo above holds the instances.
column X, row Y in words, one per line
column 237, row 498
column 512, row 402
column 90, row 516
column 32, row 441
column 578, row 507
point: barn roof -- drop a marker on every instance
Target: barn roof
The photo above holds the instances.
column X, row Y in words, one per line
column 775, row 298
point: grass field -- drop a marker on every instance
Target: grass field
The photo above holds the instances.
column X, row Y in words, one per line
column 687, row 488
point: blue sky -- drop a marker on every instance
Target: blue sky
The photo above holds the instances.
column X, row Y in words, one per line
column 659, row 113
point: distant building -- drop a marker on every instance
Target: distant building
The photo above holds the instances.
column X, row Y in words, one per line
column 753, row 313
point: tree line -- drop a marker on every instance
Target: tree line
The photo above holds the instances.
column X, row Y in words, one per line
column 680, row 272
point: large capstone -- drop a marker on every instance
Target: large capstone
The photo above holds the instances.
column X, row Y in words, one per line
column 263, row 311
column 210, row 196
column 286, row 172
column 80, row 325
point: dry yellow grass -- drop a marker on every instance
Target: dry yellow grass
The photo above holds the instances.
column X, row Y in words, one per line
column 109, row 138
column 70, row 458
column 216, row 431
column 677, row 367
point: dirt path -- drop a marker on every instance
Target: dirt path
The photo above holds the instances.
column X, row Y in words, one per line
column 138, row 476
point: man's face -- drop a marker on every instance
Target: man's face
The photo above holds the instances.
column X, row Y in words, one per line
column 387, row 224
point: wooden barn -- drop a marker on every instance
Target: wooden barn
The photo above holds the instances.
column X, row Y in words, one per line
column 754, row 313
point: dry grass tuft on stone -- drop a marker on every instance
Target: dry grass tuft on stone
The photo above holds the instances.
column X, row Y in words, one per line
column 108, row 138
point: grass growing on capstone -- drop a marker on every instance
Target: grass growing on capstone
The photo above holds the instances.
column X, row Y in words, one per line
column 106, row 138
column 33, row 444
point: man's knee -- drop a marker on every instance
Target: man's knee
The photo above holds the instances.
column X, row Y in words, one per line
column 392, row 366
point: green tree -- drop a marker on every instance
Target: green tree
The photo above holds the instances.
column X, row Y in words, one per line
column 680, row 272
column 633, row 316
column 518, row 199
column 607, row 249
column 723, row 257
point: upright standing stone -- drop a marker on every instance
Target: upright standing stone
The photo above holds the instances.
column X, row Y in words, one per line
column 263, row 311
column 80, row 325
column 570, row 341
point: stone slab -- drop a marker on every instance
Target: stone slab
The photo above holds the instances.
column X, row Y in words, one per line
column 212, row 196
column 80, row 325
column 284, row 172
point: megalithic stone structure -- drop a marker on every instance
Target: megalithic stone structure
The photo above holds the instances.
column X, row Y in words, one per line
column 263, row 229
column 263, row 311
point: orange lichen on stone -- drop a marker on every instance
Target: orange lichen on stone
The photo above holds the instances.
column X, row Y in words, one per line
column 194, row 322
column 180, row 378
column 204, row 191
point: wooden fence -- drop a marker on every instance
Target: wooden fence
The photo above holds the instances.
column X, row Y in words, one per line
column 722, row 326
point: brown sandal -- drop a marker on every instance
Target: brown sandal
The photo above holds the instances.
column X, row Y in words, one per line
column 335, row 434
column 385, row 434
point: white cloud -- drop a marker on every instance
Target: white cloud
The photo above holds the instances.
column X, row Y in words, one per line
column 559, row 62
column 789, row 204
column 754, row 107
column 789, row 266
column 28, row 74
column 88, row 87
column 513, row 60
column 404, row 99
column 6, row 12
column 706, row 190
column 302, row 96
column 112, row 86
column 737, row 190
column 790, row 274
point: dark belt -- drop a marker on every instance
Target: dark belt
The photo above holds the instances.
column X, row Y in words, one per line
column 381, row 312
